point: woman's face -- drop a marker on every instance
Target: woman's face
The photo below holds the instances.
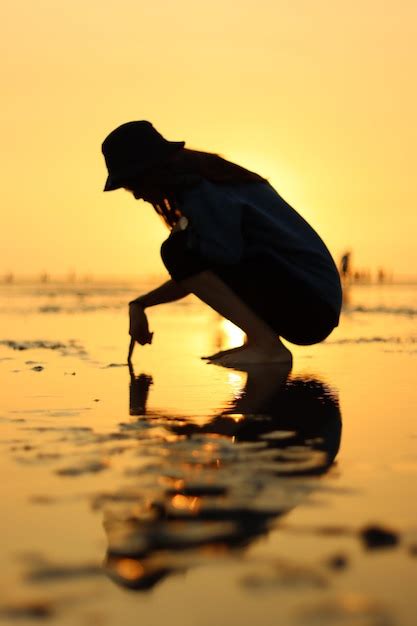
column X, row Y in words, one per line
column 145, row 192
column 152, row 185
column 149, row 186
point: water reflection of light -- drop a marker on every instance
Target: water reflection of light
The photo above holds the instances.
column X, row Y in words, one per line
column 232, row 335
column 237, row 417
column 236, row 381
column 129, row 569
column 185, row 502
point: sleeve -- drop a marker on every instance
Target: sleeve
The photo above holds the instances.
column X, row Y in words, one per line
column 214, row 222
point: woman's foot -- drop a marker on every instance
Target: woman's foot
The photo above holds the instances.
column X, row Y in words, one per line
column 251, row 354
column 222, row 353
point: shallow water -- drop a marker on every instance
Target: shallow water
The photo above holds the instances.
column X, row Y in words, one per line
column 187, row 492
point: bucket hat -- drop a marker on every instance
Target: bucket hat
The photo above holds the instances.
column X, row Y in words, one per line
column 133, row 147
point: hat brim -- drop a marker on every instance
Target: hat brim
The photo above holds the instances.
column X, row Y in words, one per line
column 116, row 181
column 112, row 184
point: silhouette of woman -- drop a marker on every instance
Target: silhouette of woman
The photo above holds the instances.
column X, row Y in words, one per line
column 234, row 243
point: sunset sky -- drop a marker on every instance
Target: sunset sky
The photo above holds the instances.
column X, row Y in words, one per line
column 318, row 96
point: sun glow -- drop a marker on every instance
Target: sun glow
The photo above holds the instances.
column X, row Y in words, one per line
column 314, row 96
column 232, row 336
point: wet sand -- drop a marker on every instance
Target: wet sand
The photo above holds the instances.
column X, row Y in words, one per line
column 184, row 492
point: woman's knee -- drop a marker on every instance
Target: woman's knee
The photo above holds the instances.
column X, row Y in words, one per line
column 168, row 254
column 179, row 260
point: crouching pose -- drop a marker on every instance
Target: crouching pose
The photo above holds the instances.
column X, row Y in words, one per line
column 234, row 243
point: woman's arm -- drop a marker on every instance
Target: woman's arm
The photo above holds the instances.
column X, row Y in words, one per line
column 168, row 292
column 138, row 322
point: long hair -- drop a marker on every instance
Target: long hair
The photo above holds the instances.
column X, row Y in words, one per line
column 213, row 167
column 189, row 170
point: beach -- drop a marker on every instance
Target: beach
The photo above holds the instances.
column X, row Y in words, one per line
column 181, row 491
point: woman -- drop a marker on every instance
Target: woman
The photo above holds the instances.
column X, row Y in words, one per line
column 234, row 243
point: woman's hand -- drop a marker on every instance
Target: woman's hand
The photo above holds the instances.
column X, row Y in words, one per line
column 138, row 324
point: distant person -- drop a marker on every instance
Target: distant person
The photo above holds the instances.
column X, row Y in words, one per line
column 234, row 243
column 381, row 276
column 345, row 265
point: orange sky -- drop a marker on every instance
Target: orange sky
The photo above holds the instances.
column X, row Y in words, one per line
column 319, row 97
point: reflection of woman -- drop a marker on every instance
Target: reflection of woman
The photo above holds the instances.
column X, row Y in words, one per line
column 303, row 408
column 234, row 243
column 219, row 485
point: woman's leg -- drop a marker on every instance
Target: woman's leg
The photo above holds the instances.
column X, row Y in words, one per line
column 193, row 273
column 262, row 346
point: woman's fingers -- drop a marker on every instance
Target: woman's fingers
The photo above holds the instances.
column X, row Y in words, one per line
column 141, row 336
column 144, row 340
column 138, row 325
column 131, row 348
